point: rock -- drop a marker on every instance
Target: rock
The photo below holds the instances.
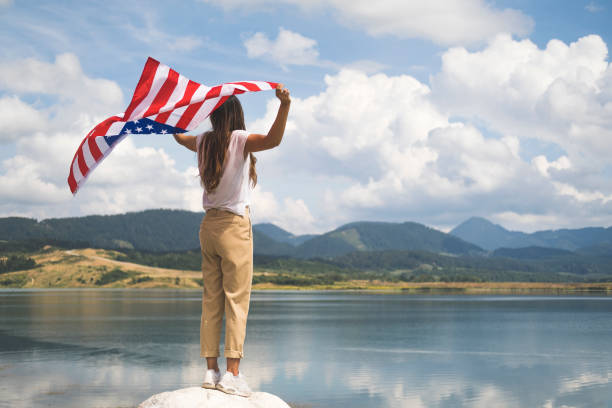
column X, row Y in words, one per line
column 198, row 397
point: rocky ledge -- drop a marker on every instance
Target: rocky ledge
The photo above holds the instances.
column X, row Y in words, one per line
column 198, row 397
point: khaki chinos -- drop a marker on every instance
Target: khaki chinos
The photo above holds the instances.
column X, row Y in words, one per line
column 226, row 241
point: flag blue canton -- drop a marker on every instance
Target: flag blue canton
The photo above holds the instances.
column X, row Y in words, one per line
column 143, row 126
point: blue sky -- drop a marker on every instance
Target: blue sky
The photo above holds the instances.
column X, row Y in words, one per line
column 401, row 112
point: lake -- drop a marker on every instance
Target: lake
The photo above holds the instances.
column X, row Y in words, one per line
column 115, row 348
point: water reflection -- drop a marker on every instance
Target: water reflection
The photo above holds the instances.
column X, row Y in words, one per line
column 75, row 348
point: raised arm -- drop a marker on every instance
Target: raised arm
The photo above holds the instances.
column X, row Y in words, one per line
column 186, row 140
column 256, row 142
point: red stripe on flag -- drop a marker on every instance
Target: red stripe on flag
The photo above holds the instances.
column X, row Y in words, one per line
column 195, row 107
column 102, row 127
column 221, row 102
column 143, row 87
column 248, row 85
column 81, row 162
column 189, row 91
column 72, row 182
column 214, row 92
column 164, row 93
column 188, row 115
column 93, row 148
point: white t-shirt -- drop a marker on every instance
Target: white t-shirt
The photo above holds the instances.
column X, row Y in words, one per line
column 233, row 193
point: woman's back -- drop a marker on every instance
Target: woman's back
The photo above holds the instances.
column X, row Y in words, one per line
column 233, row 193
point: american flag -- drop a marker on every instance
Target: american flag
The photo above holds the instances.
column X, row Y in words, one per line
column 164, row 102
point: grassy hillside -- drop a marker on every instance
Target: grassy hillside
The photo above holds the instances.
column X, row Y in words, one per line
column 54, row 267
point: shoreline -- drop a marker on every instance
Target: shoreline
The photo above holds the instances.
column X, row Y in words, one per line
column 97, row 269
column 470, row 288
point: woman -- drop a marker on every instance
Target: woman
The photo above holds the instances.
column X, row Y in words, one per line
column 227, row 174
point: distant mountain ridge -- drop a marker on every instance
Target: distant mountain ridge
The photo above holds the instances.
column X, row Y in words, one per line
column 177, row 230
column 490, row 236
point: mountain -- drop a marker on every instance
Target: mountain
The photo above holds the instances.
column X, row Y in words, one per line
column 375, row 236
column 487, row 235
column 280, row 235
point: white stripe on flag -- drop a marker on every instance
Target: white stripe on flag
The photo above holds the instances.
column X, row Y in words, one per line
column 177, row 94
column 76, row 171
column 199, row 94
column 176, row 115
column 237, row 86
column 161, row 74
column 102, row 145
column 89, row 160
column 264, row 86
column 203, row 112
column 228, row 89
column 115, row 129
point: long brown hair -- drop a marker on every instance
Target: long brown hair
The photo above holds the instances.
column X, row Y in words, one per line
column 212, row 151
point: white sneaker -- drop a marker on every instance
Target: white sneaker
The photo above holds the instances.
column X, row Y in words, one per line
column 211, row 379
column 234, row 384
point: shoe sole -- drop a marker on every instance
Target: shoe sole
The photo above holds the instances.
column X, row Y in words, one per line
column 209, row 386
column 232, row 391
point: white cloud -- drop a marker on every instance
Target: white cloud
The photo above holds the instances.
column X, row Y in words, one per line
column 17, row 118
column 542, row 164
column 293, row 215
column 64, row 79
column 443, row 22
column 289, row 48
column 562, row 94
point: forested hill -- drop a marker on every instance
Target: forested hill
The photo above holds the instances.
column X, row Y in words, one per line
column 152, row 230
column 377, row 236
column 177, row 230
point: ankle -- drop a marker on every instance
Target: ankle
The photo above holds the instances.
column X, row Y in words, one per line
column 234, row 372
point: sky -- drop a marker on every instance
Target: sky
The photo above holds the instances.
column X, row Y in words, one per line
column 431, row 112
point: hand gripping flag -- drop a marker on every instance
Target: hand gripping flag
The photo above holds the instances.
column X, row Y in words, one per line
column 164, row 102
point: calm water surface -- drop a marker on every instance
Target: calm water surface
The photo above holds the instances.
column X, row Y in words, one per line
column 115, row 348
